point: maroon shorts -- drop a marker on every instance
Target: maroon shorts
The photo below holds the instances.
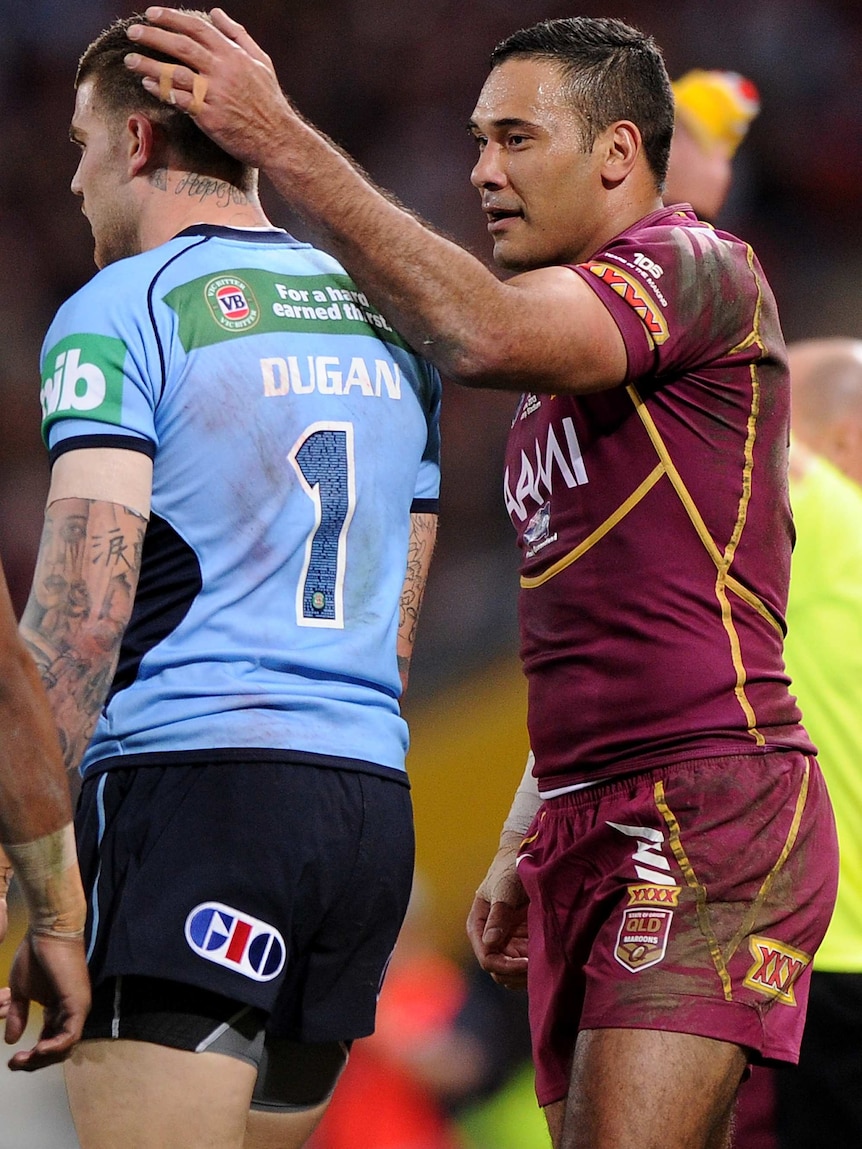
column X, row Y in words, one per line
column 688, row 899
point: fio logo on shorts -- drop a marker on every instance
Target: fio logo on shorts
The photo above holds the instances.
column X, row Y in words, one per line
column 232, row 939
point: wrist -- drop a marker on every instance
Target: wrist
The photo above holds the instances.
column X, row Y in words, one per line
column 47, row 871
column 525, row 804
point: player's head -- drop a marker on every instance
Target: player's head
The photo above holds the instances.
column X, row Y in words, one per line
column 713, row 112
column 121, row 93
column 113, row 114
column 612, row 72
column 826, row 379
column 574, row 112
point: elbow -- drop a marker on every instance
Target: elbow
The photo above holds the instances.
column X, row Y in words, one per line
column 486, row 363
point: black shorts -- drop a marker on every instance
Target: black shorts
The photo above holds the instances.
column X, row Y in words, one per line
column 278, row 885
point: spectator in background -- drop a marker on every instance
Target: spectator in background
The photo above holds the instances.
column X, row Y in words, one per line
column 713, row 113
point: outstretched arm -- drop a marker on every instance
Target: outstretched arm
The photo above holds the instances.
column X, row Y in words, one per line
column 545, row 330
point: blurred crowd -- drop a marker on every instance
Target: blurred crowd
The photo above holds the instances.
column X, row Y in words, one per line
column 394, row 81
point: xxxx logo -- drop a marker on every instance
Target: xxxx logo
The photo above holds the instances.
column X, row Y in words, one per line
column 776, row 967
column 633, row 293
column 646, row 895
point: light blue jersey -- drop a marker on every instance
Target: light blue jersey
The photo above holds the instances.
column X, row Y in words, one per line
column 292, row 433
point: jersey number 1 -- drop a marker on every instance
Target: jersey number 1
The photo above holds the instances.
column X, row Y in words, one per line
column 323, row 459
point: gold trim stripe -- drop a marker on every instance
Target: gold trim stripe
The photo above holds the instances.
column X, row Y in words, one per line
column 720, row 560
column 599, row 533
column 675, row 841
column 789, row 842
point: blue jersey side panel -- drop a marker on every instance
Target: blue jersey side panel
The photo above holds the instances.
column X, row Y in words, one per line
column 292, row 432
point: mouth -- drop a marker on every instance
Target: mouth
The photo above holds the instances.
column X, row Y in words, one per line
column 499, row 217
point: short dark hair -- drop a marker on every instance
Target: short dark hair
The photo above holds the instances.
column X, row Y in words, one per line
column 121, row 91
column 614, row 71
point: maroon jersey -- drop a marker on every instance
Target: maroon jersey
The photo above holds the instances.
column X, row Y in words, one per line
column 654, row 520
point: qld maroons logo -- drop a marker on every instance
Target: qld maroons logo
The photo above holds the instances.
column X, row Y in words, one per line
column 236, row 941
column 643, row 932
column 232, row 303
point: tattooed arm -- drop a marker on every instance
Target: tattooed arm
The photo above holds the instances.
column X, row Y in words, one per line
column 423, row 534
column 85, row 582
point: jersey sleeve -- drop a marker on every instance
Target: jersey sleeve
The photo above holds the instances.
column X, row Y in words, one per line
column 101, row 369
column 682, row 296
column 426, row 497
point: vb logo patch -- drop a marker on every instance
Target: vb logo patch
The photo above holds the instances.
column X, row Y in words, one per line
column 776, row 968
column 236, row 941
column 644, row 930
column 232, row 303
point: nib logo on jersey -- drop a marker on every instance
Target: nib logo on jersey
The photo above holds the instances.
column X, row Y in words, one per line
column 236, row 941
column 82, row 377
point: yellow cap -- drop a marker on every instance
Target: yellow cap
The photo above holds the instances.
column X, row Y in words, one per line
column 716, row 107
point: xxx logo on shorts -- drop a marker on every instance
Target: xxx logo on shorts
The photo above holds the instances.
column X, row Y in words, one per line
column 236, row 941
column 776, row 967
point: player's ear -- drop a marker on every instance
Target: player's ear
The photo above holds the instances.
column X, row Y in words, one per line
column 621, row 144
column 141, row 142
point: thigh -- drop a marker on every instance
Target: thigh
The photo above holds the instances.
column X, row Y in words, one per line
column 681, row 900
column 281, row 1130
column 642, row 1087
column 139, row 1095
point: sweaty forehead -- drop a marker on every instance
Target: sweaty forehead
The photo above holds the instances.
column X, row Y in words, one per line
column 528, row 90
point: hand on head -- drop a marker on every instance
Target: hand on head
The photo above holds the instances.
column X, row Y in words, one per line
column 224, row 80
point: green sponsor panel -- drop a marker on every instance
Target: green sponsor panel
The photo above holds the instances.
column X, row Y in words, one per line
column 83, row 378
column 248, row 301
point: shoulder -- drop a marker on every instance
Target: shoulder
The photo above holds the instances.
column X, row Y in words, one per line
column 676, row 236
column 119, row 289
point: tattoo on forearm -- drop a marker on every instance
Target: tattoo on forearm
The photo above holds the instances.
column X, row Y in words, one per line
column 206, row 187
column 422, row 536
column 81, row 601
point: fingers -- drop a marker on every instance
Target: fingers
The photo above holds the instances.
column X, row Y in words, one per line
column 199, row 91
column 17, row 1015
column 48, row 1050
column 237, row 33
column 166, row 82
column 171, row 83
column 188, row 49
column 497, row 933
column 476, row 925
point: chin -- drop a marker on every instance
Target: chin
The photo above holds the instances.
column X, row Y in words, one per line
column 511, row 260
